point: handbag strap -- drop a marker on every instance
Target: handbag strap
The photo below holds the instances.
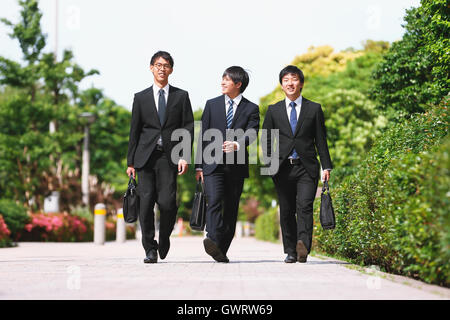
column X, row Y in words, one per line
column 200, row 186
column 132, row 181
column 326, row 187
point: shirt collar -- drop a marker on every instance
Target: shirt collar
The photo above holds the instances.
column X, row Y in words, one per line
column 298, row 101
column 236, row 100
column 156, row 89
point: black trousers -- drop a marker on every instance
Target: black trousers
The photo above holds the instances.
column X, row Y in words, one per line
column 157, row 184
column 223, row 191
column 296, row 193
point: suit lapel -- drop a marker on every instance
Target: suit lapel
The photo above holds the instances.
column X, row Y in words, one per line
column 239, row 109
column 170, row 103
column 301, row 118
column 283, row 115
column 221, row 112
column 152, row 106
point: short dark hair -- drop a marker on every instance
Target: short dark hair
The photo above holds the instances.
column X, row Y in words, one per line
column 294, row 70
column 162, row 54
column 237, row 74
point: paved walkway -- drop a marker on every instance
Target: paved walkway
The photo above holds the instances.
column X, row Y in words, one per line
column 256, row 271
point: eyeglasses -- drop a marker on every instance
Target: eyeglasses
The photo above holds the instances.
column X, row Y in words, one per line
column 160, row 66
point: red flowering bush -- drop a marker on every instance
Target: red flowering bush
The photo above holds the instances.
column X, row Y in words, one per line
column 4, row 233
column 57, row 227
column 64, row 227
column 110, row 230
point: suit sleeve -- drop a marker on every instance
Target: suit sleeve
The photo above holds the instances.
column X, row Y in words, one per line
column 267, row 127
column 253, row 123
column 204, row 127
column 135, row 131
column 188, row 120
column 321, row 140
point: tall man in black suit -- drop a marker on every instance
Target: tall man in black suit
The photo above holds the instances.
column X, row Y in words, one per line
column 157, row 112
column 302, row 130
column 224, row 177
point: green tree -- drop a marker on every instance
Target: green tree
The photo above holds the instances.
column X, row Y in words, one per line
column 340, row 81
column 108, row 140
column 37, row 91
column 414, row 72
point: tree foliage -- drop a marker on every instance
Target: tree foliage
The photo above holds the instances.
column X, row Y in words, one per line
column 38, row 90
column 340, row 82
column 414, row 72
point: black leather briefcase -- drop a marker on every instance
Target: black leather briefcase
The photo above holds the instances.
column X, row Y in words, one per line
column 327, row 217
column 198, row 216
column 131, row 202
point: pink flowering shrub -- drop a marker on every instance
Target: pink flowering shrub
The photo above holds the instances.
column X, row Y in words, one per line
column 5, row 241
column 57, row 227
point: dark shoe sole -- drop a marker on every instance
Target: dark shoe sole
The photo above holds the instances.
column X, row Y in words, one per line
column 150, row 260
column 213, row 250
column 153, row 258
column 302, row 252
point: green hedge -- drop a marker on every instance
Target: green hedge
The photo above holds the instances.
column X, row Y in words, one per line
column 394, row 211
column 15, row 216
column 267, row 226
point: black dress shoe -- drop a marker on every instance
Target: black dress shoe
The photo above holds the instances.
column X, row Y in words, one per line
column 302, row 252
column 163, row 248
column 213, row 250
column 290, row 259
column 152, row 257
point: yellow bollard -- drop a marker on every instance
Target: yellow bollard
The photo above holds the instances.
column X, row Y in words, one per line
column 121, row 235
column 99, row 223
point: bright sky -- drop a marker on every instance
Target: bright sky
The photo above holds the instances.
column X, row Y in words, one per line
column 204, row 37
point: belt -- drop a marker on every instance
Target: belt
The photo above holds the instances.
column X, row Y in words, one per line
column 159, row 148
column 294, row 161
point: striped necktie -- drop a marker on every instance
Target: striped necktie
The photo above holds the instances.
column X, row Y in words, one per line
column 230, row 114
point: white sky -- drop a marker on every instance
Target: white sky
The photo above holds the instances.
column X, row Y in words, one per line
column 204, row 37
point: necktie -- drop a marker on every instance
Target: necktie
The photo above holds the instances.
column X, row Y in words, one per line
column 293, row 121
column 230, row 114
column 161, row 106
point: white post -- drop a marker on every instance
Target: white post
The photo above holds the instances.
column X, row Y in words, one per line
column 247, row 229
column 99, row 223
column 121, row 233
column 239, row 229
column 85, row 168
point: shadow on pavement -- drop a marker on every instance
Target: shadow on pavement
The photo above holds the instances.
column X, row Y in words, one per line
column 253, row 261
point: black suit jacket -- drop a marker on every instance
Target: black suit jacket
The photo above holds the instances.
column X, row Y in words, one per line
column 310, row 134
column 146, row 128
column 246, row 117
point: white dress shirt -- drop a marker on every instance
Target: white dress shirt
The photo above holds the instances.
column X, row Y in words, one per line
column 236, row 102
column 298, row 106
column 156, row 97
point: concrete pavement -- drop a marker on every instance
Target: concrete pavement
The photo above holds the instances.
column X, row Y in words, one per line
column 256, row 271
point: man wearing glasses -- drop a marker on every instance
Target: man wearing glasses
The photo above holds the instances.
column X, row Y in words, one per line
column 157, row 112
